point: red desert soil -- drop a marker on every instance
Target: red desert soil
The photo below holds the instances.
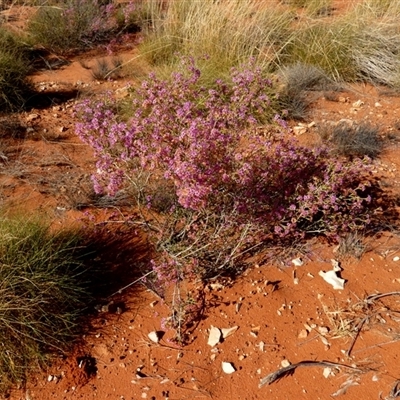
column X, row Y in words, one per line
column 284, row 313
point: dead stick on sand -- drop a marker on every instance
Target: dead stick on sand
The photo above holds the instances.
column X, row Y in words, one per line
column 280, row 373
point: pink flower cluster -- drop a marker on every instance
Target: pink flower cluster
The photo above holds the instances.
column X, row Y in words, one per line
column 205, row 141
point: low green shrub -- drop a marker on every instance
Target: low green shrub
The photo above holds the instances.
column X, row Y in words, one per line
column 71, row 25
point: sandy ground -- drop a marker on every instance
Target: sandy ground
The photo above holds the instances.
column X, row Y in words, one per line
column 283, row 313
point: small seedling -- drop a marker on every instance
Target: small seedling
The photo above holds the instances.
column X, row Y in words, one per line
column 351, row 245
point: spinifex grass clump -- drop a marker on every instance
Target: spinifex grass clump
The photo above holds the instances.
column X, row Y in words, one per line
column 231, row 189
column 356, row 140
column 228, row 31
column 14, row 69
column 42, row 294
column 298, row 81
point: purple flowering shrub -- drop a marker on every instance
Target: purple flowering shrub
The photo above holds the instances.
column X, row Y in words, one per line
column 205, row 142
column 297, row 190
column 233, row 189
column 189, row 133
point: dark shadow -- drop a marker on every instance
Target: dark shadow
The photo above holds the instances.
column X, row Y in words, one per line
column 42, row 100
column 115, row 255
column 88, row 364
column 42, row 59
column 383, row 209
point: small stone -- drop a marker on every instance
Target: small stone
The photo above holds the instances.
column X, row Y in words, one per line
column 303, row 334
column 228, row 367
column 214, row 336
column 332, row 278
column 324, row 340
column 358, row 104
column 309, row 327
column 327, row 372
column 214, row 350
column 377, row 104
column 105, row 308
column 397, row 258
column 50, row 378
column 154, row 336
column 226, row 332
column 299, row 130
column 295, row 278
column 285, row 363
column 32, row 117
column 298, row 262
column 323, row 330
column 216, row 286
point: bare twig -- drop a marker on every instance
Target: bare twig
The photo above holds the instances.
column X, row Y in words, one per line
column 373, row 297
column 378, row 345
column 395, row 392
column 274, row 376
column 358, row 330
column 130, row 284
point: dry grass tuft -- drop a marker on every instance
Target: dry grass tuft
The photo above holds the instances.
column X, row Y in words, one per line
column 351, row 245
column 105, row 69
column 353, row 140
column 298, row 81
column 375, row 311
